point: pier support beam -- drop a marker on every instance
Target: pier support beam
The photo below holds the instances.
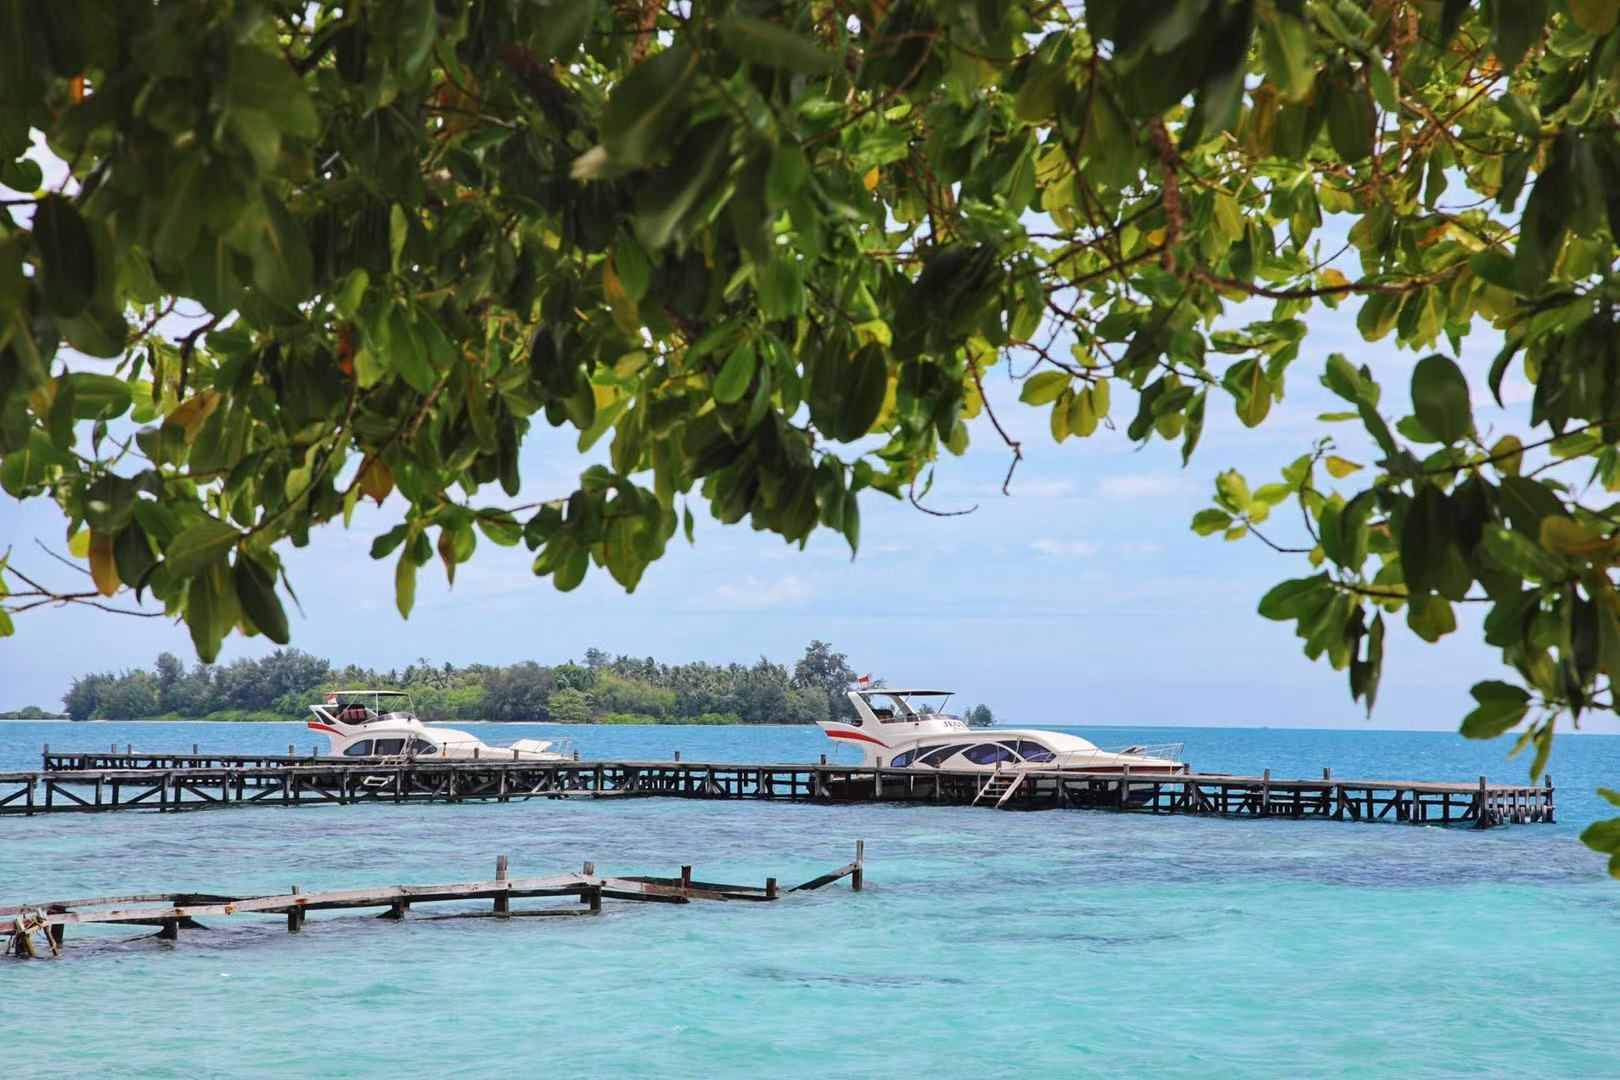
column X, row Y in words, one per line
column 503, row 902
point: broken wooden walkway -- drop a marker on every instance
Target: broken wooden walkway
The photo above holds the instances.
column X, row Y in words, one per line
column 173, row 912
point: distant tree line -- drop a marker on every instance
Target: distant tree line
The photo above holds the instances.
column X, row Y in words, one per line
column 601, row 688
column 30, row 712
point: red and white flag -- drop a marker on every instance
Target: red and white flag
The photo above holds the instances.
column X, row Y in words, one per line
column 331, row 699
column 864, row 681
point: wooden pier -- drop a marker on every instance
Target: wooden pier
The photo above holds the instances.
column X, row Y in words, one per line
column 173, row 912
column 97, row 782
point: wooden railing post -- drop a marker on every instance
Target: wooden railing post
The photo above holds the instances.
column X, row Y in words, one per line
column 857, row 879
column 502, row 900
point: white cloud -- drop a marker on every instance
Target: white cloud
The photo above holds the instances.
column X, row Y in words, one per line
column 756, row 594
column 1140, row 549
column 1144, row 486
column 1069, row 549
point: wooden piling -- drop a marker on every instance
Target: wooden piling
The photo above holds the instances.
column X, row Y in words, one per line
column 295, row 914
column 857, row 877
column 502, row 900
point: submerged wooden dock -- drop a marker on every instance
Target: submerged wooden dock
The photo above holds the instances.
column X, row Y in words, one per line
column 97, row 782
column 174, row 911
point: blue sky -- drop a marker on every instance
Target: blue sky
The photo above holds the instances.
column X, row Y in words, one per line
column 1083, row 597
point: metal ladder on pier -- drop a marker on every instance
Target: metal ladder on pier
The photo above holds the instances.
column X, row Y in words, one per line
column 1000, row 787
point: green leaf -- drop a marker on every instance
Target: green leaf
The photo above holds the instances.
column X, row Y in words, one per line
column 210, row 605
column 1296, row 599
column 767, row 43
column 405, row 584
column 1595, row 16
column 863, row 399
column 645, row 106
column 132, row 554
column 787, row 173
column 30, row 465
column 1426, row 538
column 781, row 288
column 1043, row 387
column 735, row 374
column 282, row 264
column 1603, row 836
column 68, row 272
column 1501, row 706
column 1559, row 197
column 562, row 27
column 664, row 201
column 1430, row 617
column 98, row 397
column 267, row 81
column 1211, row 521
column 399, row 230
column 198, row 546
column 1440, row 398
column 256, row 592
column 1516, row 25
column 1513, row 551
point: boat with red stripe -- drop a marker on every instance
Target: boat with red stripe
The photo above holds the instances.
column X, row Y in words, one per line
column 910, row 729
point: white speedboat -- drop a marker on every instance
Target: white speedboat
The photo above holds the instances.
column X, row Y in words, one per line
column 383, row 723
column 909, row 729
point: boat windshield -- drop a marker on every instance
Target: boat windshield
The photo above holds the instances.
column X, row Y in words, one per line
column 364, row 706
column 892, row 705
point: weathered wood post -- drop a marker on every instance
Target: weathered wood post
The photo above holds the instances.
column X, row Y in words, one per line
column 502, row 900
column 170, row 930
column 877, row 778
column 295, row 914
column 193, row 749
column 1265, row 793
column 857, row 879
column 677, row 756
column 686, row 879
column 290, row 751
column 129, row 749
column 45, row 757
column 593, row 897
column 770, row 888
column 1124, row 785
column 1548, row 813
column 824, row 759
column 1482, row 817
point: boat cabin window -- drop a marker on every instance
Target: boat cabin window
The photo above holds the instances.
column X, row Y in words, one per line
column 389, row 746
column 1034, row 751
column 989, row 754
column 902, row 760
column 883, row 715
column 359, row 749
column 939, row 754
column 422, row 746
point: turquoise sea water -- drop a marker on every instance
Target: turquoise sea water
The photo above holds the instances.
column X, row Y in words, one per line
column 985, row 945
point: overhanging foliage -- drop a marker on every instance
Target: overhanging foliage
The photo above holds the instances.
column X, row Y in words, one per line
column 768, row 250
